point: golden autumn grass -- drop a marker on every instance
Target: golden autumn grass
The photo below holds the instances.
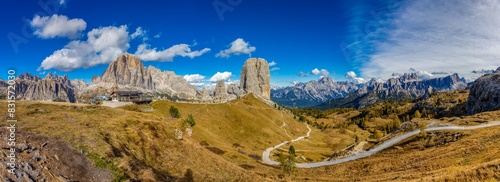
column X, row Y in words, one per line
column 143, row 146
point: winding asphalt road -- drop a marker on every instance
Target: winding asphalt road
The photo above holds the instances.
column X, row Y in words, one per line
column 265, row 155
column 267, row 160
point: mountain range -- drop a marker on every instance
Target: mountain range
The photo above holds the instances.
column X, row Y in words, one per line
column 128, row 72
column 326, row 93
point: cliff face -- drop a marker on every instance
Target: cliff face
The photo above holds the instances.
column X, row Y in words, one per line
column 485, row 94
column 29, row 87
column 255, row 78
column 220, row 92
column 128, row 72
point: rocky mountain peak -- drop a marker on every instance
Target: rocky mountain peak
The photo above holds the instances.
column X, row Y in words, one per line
column 129, row 72
column 256, row 78
column 407, row 77
column 127, row 69
column 326, row 80
column 48, row 76
column 220, row 91
column 131, row 61
column 28, row 77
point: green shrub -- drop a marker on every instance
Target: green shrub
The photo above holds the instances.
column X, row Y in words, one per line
column 174, row 112
column 189, row 120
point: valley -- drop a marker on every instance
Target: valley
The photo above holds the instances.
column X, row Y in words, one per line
column 238, row 143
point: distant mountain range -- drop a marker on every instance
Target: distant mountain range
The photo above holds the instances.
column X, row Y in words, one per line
column 327, row 93
column 312, row 93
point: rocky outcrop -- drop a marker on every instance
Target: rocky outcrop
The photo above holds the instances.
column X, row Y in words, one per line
column 255, row 78
column 312, row 93
column 485, row 94
column 32, row 87
column 220, row 92
column 79, row 85
column 204, row 96
column 167, row 82
column 233, row 89
column 128, row 72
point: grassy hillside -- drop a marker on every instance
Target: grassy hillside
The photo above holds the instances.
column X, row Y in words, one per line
column 143, row 146
column 228, row 140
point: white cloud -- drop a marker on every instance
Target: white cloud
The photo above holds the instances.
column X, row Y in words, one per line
column 275, row 69
column 454, row 36
column 483, row 71
column 194, row 78
column 315, row 71
column 183, row 50
column 157, row 35
column 322, row 72
column 139, row 32
column 220, row 76
column 61, row 2
column 57, row 26
column 353, row 77
column 238, row 46
column 302, row 74
column 103, row 45
column 273, row 63
column 422, row 74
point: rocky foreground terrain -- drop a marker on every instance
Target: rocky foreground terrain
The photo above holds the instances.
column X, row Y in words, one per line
column 40, row 158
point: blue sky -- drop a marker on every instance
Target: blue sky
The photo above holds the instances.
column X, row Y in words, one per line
column 306, row 39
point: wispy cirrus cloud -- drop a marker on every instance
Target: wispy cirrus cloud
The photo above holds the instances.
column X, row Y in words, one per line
column 455, row 36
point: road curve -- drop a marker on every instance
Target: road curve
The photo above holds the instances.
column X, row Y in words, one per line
column 267, row 160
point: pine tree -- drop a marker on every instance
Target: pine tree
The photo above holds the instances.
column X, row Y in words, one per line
column 189, row 120
column 174, row 112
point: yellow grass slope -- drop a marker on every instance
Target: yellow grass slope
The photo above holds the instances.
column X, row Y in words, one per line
column 143, row 146
column 240, row 128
